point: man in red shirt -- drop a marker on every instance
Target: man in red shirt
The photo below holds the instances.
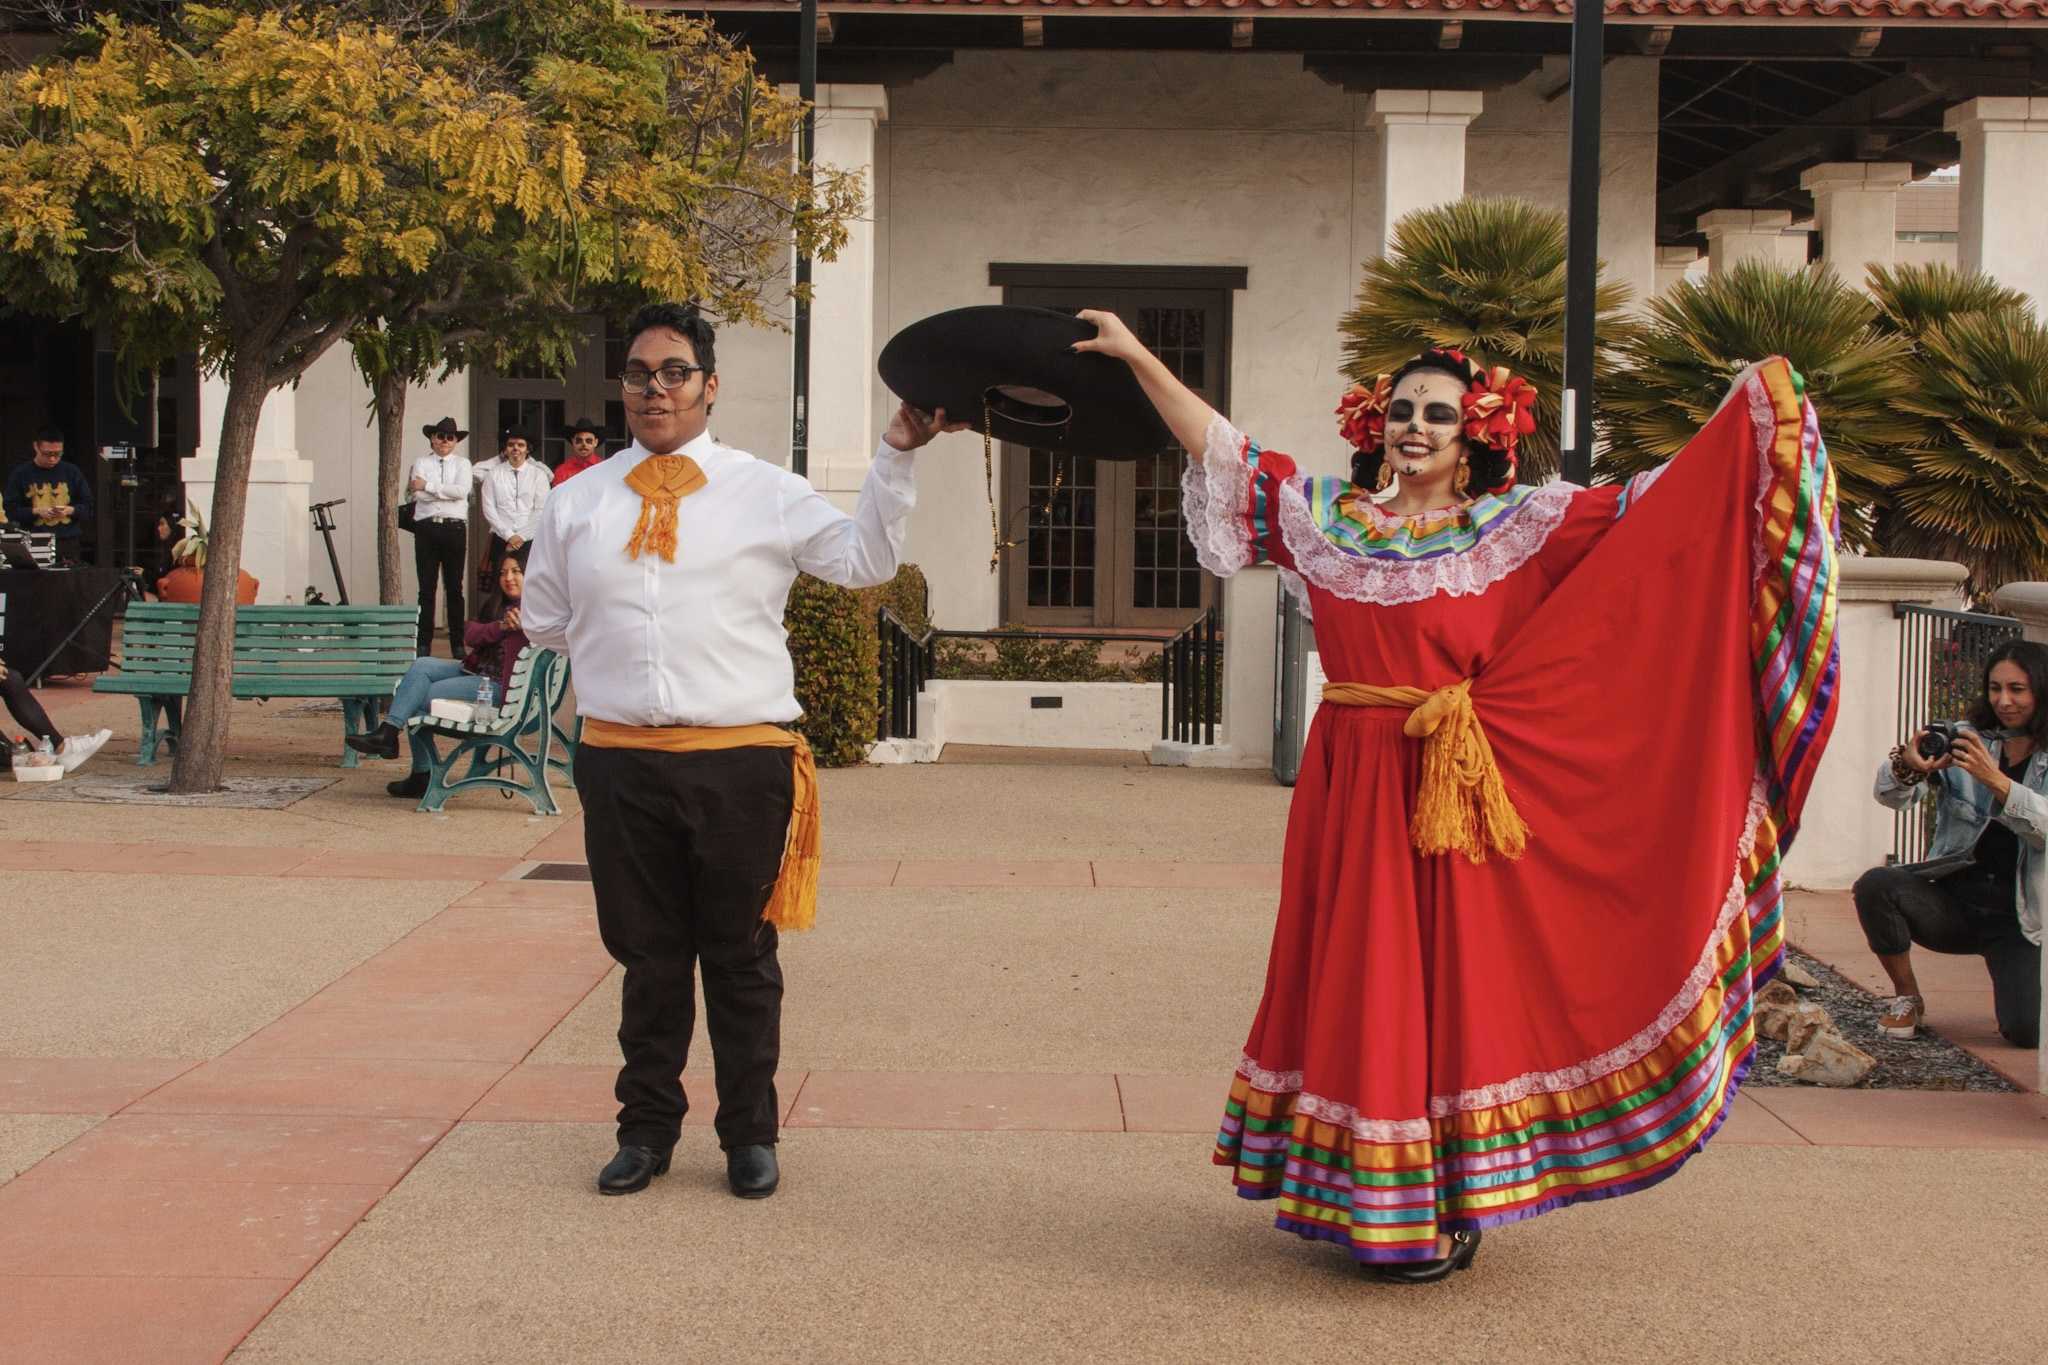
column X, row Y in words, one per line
column 586, row 448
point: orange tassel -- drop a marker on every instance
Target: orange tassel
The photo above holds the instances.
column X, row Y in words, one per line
column 1463, row 805
column 662, row 481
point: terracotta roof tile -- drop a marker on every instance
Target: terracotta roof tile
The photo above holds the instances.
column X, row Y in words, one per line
column 1990, row 10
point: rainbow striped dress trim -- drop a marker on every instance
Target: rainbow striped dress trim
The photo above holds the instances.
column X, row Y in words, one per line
column 1353, row 523
column 1386, row 1186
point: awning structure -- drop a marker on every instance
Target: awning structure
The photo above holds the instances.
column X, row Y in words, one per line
column 1752, row 92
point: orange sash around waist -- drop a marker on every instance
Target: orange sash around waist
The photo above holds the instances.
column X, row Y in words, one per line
column 794, row 904
column 1463, row 805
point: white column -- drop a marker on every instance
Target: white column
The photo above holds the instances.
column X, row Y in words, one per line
column 842, row 426
column 1422, row 150
column 1673, row 263
column 2004, row 195
column 1738, row 235
column 1844, row 832
column 1856, row 208
column 277, row 527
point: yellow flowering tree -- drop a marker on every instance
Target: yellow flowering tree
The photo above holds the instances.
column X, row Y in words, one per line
column 258, row 183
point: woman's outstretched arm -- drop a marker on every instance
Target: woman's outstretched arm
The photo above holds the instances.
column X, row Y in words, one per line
column 1184, row 412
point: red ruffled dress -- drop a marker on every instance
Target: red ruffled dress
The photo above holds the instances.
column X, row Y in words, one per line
column 1445, row 1044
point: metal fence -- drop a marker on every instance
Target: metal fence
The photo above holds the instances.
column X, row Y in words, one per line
column 1190, row 672
column 1942, row 656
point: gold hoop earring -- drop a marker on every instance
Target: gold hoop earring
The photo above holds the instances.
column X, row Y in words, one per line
column 1385, row 478
column 1465, row 474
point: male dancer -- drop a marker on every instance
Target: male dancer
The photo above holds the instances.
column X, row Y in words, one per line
column 663, row 574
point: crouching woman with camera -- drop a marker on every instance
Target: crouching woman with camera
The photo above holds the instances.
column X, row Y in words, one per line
column 1985, row 881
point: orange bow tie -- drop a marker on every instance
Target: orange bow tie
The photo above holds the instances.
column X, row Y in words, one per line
column 662, row 481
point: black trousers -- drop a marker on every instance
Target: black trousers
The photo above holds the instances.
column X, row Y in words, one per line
column 27, row 712
column 684, row 850
column 437, row 556
column 1961, row 913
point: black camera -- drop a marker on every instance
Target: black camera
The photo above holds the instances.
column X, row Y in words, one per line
column 1941, row 737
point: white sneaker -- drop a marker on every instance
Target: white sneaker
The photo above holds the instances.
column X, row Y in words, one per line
column 79, row 748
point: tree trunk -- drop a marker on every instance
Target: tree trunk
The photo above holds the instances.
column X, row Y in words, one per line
column 390, row 486
column 202, row 742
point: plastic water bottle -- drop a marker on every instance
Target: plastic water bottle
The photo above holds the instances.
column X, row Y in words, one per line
column 486, row 712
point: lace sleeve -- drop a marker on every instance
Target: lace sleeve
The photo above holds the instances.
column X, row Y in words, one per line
column 1229, row 501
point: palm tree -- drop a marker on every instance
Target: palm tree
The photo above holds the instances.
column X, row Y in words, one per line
column 1675, row 370
column 1975, row 485
column 1485, row 276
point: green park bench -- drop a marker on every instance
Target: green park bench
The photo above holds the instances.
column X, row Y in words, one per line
column 524, row 736
column 353, row 654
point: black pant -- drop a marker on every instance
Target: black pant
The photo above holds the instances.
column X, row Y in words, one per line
column 27, row 712
column 1964, row 912
column 684, row 850
column 437, row 553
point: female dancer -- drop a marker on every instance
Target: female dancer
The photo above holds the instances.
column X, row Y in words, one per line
column 1531, row 871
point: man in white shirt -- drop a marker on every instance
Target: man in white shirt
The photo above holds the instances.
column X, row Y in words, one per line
column 512, row 492
column 663, row 574
column 440, row 507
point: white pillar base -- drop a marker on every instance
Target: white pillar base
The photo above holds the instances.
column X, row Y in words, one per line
column 1738, row 235
column 1422, row 150
column 277, row 526
column 2004, row 199
column 1856, row 208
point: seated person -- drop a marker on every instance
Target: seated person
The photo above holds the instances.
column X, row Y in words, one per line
column 29, row 714
column 1983, row 885
column 493, row 641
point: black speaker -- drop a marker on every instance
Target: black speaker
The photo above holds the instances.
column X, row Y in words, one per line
column 123, row 407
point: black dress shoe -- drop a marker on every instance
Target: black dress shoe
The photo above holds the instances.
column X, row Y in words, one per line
column 381, row 742
column 413, row 785
column 1464, row 1246
column 631, row 1169
column 752, row 1172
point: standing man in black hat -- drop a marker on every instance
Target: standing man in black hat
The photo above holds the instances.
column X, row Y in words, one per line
column 586, row 449
column 664, row 575
column 440, row 501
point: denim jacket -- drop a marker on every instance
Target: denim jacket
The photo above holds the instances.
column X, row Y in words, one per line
column 1966, row 806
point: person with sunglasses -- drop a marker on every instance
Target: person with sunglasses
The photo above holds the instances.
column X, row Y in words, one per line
column 663, row 574
column 586, row 450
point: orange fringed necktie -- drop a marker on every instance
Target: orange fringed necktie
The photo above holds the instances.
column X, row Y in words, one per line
column 662, row 481
column 1463, row 805
column 794, row 902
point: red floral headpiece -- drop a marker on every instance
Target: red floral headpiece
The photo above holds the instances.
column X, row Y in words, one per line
column 1500, row 409
column 1362, row 413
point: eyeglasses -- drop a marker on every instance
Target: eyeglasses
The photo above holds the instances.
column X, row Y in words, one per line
column 636, row 380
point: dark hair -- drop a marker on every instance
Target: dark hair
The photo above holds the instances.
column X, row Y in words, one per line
column 2033, row 661
column 48, row 432
column 1489, row 466
column 491, row 605
column 683, row 319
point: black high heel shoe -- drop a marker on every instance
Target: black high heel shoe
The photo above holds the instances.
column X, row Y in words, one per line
column 1464, row 1246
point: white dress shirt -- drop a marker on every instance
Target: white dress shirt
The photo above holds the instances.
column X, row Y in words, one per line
column 512, row 498
column 700, row 641
column 446, row 494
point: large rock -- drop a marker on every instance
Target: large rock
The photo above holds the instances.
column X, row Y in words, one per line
column 1829, row 1059
column 1773, row 1009
column 1794, row 974
column 1807, row 1020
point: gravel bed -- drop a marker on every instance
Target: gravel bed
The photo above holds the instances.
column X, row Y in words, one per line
column 1929, row 1062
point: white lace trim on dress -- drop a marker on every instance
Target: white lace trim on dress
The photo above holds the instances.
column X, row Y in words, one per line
column 1504, row 548
column 1216, row 492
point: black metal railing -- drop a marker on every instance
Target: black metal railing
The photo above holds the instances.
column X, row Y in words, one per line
column 1188, row 701
column 906, row 661
column 1942, row 656
column 1189, row 666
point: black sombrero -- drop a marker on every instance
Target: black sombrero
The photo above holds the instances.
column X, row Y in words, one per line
column 1038, row 393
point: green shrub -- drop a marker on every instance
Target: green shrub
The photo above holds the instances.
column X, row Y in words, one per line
column 833, row 644
column 1017, row 657
column 906, row 595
